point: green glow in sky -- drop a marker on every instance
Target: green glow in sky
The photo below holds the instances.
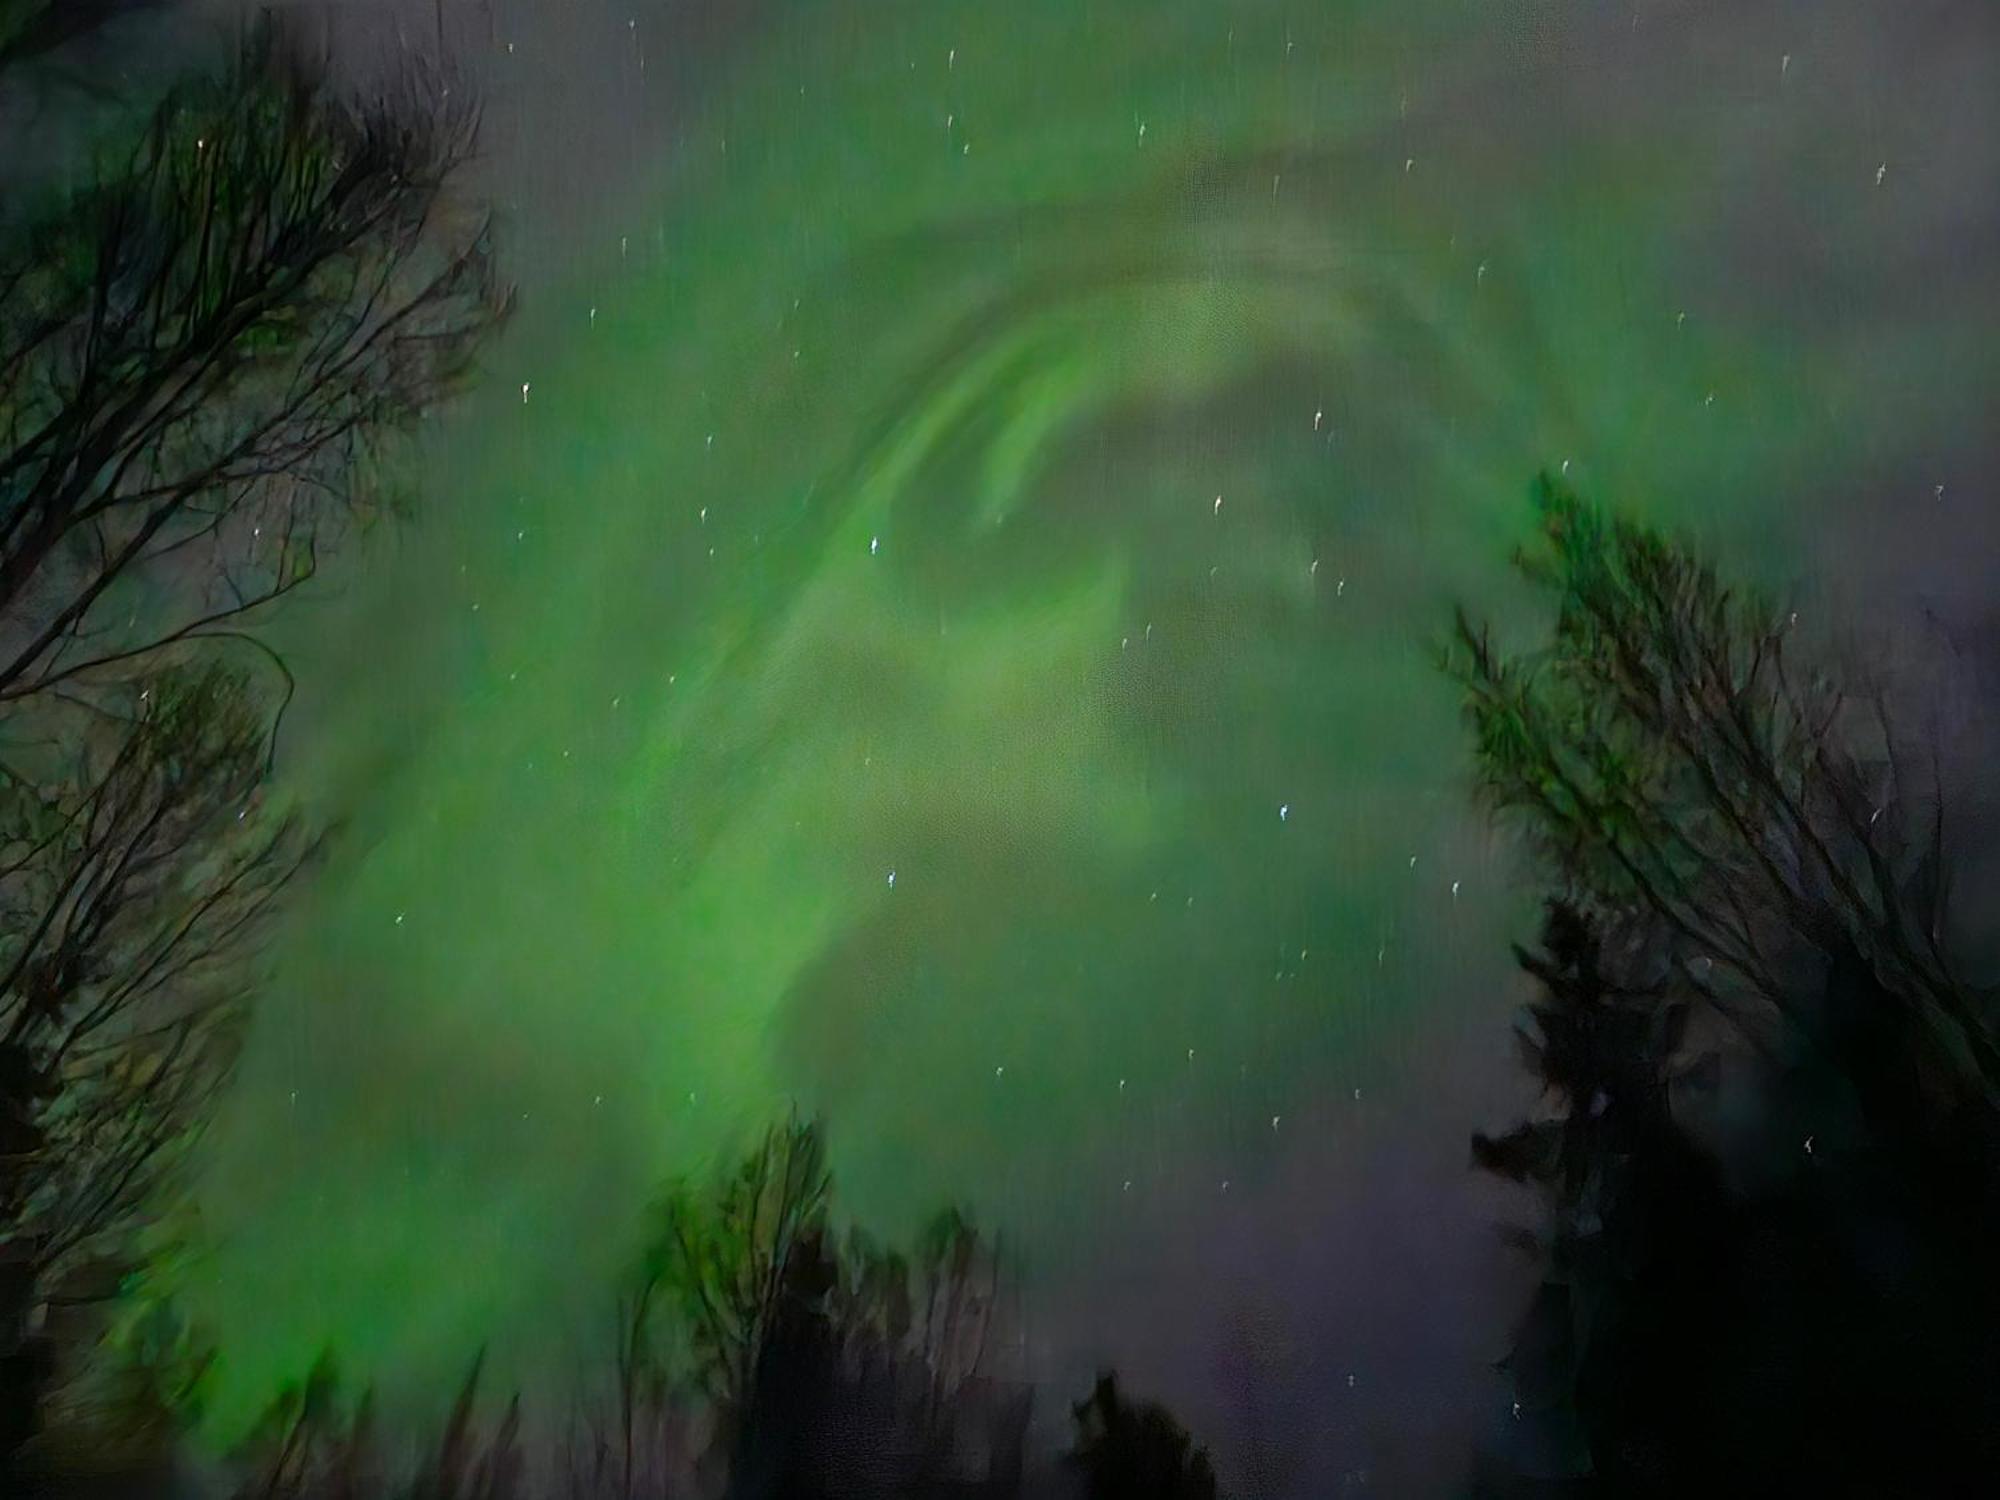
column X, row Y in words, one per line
column 928, row 616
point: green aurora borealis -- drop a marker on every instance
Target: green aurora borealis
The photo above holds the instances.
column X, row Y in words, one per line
column 823, row 667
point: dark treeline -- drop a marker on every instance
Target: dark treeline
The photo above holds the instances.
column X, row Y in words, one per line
column 1763, row 1168
column 1770, row 1161
column 753, row 1351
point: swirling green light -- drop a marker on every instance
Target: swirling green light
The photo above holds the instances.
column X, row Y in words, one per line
column 1020, row 448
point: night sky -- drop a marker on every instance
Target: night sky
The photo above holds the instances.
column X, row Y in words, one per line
column 927, row 615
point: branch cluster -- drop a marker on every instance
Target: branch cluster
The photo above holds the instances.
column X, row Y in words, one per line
column 203, row 349
column 1679, row 769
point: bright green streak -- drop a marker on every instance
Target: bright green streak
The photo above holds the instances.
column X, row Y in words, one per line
column 621, row 813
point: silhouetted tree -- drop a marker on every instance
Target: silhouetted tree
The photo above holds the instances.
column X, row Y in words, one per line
column 200, row 349
column 118, row 1423
column 1612, row 1352
column 312, row 1444
column 722, row 1252
column 918, row 1330
column 203, row 351
column 1672, row 758
column 126, row 899
column 1136, row 1452
column 1752, row 867
column 828, row 1368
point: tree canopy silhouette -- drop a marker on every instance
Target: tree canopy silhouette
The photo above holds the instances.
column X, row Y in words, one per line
column 827, row 1364
column 1768, row 1159
column 206, row 351
column 1128, row 1451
